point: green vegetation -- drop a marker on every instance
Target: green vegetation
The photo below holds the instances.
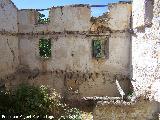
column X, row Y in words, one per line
column 130, row 93
column 45, row 48
column 97, row 49
column 42, row 19
column 37, row 102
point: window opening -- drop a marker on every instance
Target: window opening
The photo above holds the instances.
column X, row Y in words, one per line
column 97, row 48
column 43, row 17
column 96, row 12
column 100, row 48
column 45, row 48
column 149, row 5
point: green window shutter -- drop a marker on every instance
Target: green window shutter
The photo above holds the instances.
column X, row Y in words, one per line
column 100, row 48
column 97, row 48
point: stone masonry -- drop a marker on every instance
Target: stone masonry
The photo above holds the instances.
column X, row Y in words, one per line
column 131, row 36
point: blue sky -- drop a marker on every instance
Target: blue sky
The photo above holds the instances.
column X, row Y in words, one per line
column 39, row 4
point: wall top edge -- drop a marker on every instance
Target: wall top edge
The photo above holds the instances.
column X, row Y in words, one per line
column 77, row 5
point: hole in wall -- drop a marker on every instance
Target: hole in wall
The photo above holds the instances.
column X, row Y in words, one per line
column 98, row 11
column 45, row 48
column 100, row 48
column 43, row 17
column 97, row 49
column 149, row 5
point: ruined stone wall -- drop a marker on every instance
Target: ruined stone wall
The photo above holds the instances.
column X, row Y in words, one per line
column 8, row 41
column 141, row 110
column 70, row 18
column 71, row 33
column 146, row 48
column 71, row 68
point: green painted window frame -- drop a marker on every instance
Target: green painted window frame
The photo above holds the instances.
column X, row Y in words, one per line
column 97, row 48
column 45, row 48
column 100, row 48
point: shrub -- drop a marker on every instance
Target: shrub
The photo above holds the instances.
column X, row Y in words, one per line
column 36, row 101
column 71, row 114
column 6, row 102
column 30, row 100
column 42, row 19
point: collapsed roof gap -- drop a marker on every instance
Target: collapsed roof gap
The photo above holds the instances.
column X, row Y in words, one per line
column 43, row 17
column 99, row 11
column 44, row 12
